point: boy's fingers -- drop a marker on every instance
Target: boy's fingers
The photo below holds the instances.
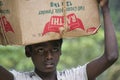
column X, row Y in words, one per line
column 98, row 1
column 102, row 2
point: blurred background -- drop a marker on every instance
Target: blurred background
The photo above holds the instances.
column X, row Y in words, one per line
column 75, row 52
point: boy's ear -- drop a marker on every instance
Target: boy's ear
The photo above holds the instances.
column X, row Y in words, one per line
column 28, row 52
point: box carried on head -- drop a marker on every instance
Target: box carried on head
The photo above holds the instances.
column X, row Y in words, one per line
column 24, row 22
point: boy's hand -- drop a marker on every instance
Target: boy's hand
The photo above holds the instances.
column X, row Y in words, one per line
column 103, row 3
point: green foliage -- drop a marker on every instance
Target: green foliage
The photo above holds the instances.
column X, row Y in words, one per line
column 80, row 50
column 12, row 57
column 115, row 13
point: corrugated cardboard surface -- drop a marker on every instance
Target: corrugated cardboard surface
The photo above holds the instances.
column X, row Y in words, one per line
column 32, row 21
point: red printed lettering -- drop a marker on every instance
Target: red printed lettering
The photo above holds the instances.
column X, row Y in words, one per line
column 54, row 25
column 56, row 21
column 74, row 22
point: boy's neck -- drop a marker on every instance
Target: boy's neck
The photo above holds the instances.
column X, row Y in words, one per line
column 47, row 75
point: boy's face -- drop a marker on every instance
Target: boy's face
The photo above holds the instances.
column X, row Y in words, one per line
column 45, row 56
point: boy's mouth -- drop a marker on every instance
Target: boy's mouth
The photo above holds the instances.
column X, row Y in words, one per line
column 49, row 65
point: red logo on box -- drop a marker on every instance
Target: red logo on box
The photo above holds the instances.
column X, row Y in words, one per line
column 5, row 24
column 56, row 22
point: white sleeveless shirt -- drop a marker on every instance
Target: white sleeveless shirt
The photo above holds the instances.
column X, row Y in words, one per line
column 78, row 73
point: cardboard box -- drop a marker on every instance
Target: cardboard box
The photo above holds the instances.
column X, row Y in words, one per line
column 31, row 21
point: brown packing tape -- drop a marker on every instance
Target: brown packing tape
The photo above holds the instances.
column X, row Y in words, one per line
column 65, row 17
column 64, row 14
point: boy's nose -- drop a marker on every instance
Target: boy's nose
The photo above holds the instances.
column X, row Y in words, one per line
column 49, row 55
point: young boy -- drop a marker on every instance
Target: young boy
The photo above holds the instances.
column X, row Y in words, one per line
column 45, row 57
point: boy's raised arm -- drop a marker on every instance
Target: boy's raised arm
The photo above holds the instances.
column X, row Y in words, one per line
column 97, row 66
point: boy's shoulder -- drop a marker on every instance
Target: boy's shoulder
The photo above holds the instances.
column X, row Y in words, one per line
column 78, row 73
column 25, row 75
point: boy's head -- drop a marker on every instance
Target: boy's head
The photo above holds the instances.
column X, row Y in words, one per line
column 45, row 56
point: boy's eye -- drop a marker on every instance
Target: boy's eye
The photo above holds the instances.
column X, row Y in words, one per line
column 55, row 49
column 40, row 50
